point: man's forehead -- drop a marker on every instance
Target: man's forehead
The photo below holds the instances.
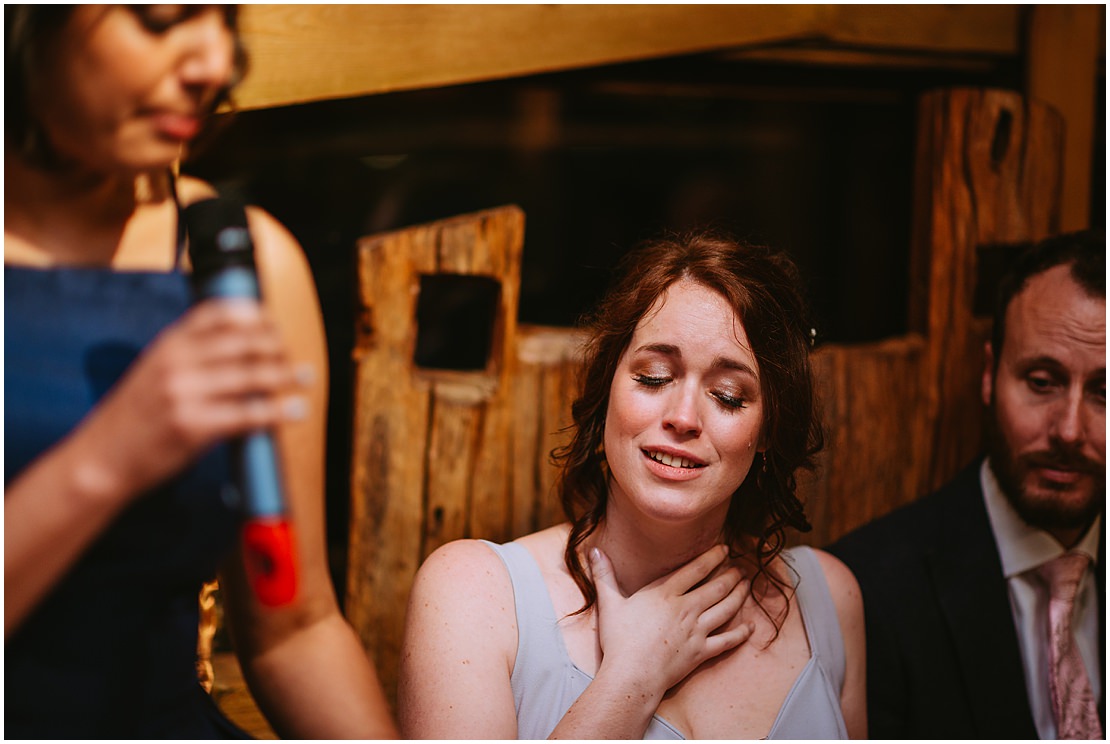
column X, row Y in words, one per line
column 1054, row 315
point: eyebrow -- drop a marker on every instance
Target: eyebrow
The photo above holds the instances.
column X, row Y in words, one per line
column 719, row 363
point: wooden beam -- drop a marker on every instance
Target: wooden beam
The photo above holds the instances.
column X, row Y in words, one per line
column 1065, row 45
column 987, row 173
column 302, row 53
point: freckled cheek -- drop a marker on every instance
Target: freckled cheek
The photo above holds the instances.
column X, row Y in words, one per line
column 631, row 412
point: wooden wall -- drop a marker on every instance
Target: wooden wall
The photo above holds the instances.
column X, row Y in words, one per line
column 312, row 52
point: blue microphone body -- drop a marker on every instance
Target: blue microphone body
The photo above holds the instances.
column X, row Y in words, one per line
column 222, row 255
column 260, row 484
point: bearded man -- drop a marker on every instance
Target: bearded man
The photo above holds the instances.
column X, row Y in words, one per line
column 984, row 601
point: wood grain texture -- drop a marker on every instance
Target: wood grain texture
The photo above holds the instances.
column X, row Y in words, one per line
column 305, row 53
column 870, row 403
column 989, row 167
column 1066, row 47
column 431, row 449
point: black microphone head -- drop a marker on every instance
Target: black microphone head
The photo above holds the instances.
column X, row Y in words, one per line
column 218, row 237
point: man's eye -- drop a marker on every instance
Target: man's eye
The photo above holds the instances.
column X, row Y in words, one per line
column 1040, row 382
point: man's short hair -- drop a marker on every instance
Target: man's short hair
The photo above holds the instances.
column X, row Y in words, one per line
column 1083, row 251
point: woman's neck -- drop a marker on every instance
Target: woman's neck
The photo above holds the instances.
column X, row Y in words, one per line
column 642, row 552
column 70, row 216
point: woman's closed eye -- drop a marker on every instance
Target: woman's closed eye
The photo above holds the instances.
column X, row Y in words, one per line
column 651, row 381
column 729, row 400
column 158, row 19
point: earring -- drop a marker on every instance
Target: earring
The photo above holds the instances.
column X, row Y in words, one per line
column 761, row 473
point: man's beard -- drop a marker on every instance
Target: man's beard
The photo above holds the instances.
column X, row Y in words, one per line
column 1041, row 510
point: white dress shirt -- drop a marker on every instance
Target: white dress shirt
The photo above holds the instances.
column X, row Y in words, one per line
column 1022, row 549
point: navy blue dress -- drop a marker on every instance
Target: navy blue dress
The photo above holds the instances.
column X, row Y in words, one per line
column 111, row 651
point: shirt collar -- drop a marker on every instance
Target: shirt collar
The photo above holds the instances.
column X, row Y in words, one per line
column 1021, row 546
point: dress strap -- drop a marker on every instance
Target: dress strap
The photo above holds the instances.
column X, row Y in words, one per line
column 815, row 600
column 182, row 235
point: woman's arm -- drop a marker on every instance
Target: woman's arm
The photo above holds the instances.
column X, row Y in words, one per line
column 304, row 664
column 459, row 648
column 461, row 636
column 849, row 610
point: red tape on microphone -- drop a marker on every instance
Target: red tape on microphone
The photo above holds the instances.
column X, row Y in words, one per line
column 269, row 555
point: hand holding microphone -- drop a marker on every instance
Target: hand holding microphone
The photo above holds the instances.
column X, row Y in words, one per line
column 222, row 256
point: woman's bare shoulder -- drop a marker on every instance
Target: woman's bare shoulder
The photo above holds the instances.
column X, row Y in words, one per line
column 461, row 566
column 839, row 577
column 470, row 567
column 844, row 589
column 191, row 189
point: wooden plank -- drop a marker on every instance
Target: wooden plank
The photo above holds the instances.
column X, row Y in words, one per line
column 391, row 412
column 305, row 53
column 526, row 445
column 449, row 460
column 1065, row 48
column 547, row 383
column 870, row 399
column 988, row 172
column 430, row 453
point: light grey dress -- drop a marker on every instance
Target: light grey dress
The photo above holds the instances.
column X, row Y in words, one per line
column 546, row 682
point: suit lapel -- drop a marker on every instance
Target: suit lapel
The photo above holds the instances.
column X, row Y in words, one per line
column 972, row 594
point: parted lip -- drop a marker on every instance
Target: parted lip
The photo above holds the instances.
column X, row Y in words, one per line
column 676, row 457
column 177, row 124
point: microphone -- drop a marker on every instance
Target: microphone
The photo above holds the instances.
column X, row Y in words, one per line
column 222, row 254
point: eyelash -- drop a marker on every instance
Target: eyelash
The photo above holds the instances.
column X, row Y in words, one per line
column 730, row 403
column 651, row 381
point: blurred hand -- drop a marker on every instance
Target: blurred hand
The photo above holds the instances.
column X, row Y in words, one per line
column 219, row 372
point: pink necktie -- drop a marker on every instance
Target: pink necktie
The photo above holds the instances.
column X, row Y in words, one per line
column 1073, row 703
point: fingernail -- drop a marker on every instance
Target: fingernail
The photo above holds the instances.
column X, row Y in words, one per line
column 595, row 555
column 305, row 374
column 295, row 408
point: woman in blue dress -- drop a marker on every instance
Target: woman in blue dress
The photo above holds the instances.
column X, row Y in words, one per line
column 121, row 393
column 665, row 607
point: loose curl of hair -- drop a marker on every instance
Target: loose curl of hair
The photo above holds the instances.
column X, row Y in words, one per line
column 30, row 32
column 764, row 288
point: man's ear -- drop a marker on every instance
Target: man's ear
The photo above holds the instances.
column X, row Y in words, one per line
column 987, row 386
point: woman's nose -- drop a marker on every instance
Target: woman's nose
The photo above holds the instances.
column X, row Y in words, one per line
column 682, row 414
column 209, row 52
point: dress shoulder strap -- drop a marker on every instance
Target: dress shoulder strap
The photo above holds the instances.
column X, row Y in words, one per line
column 819, row 613
column 539, row 641
column 182, row 241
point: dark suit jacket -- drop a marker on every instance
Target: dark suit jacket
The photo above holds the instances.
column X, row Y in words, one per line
column 943, row 660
